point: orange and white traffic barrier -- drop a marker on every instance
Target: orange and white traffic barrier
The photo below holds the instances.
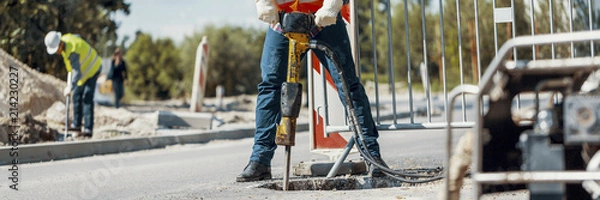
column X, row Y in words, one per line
column 199, row 83
column 325, row 102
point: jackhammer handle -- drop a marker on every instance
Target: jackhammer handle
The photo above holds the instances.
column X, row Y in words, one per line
column 68, row 98
column 297, row 22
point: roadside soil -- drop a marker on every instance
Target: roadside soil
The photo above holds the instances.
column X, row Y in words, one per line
column 35, row 107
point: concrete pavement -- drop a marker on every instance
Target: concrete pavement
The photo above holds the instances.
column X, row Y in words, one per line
column 208, row 170
column 75, row 149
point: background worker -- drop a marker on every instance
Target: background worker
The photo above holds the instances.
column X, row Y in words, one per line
column 82, row 63
column 273, row 67
column 118, row 75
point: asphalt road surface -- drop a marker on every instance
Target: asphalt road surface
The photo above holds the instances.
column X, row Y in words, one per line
column 207, row 171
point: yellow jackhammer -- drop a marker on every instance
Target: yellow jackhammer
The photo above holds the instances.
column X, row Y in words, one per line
column 296, row 27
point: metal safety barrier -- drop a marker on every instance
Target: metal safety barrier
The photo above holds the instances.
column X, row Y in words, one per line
column 437, row 45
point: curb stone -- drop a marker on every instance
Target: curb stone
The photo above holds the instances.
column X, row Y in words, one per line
column 30, row 153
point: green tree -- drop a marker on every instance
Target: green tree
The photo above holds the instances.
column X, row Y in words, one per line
column 25, row 23
column 469, row 41
column 581, row 22
column 153, row 68
column 396, row 54
column 234, row 58
column 433, row 40
column 365, row 22
column 399, row 56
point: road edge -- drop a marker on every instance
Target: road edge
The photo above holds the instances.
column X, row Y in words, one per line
column 30, row 153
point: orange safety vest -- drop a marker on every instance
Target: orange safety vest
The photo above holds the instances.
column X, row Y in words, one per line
column 307, row 6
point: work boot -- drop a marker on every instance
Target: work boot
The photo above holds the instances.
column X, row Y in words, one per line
column 72, row 127
column 87, row 133
column 376, row 172
column 254, row 171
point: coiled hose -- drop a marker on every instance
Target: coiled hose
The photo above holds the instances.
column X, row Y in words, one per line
column 356, row 128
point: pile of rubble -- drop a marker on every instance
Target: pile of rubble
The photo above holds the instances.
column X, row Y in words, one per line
column 40, row 112
column 41, row 109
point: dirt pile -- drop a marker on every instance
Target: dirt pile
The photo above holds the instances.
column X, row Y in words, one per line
column 25, row 94
column 35, row 91
column 41, row 108
column 36, row 130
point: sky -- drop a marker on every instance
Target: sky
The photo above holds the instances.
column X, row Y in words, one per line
column 177, row 18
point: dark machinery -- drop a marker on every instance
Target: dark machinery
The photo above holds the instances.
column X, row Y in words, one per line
column 551, row 152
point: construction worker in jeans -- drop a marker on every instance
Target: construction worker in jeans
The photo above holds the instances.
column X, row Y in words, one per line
column 273, row 67
column 83, row 65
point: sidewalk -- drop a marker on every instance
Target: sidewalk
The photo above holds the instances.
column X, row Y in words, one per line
column 165, row 137
column 75, row 149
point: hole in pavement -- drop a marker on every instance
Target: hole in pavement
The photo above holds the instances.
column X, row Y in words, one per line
column 338, row 183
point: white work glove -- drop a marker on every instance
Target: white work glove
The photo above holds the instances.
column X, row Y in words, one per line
column 267, row 11
column 67, row 91
column 327, row 14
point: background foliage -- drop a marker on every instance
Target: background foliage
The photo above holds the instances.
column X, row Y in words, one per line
column 234, row 56
column 24, row 23
column 153, row 68
column 162, row 69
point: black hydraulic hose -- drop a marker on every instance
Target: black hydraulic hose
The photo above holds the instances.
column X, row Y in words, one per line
column 317, row 45
column 393, row 173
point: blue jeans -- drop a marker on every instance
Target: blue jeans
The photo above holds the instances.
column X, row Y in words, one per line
column 119, row 90
column 273, row 67
column 83, row 103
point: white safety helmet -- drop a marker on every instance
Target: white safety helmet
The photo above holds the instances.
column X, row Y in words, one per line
column 52, row 40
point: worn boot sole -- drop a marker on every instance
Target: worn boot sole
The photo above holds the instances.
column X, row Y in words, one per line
column 254, row 178
column 376, row 172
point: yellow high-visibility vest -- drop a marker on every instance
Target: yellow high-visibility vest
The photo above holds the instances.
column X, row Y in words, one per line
column 89, row 60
